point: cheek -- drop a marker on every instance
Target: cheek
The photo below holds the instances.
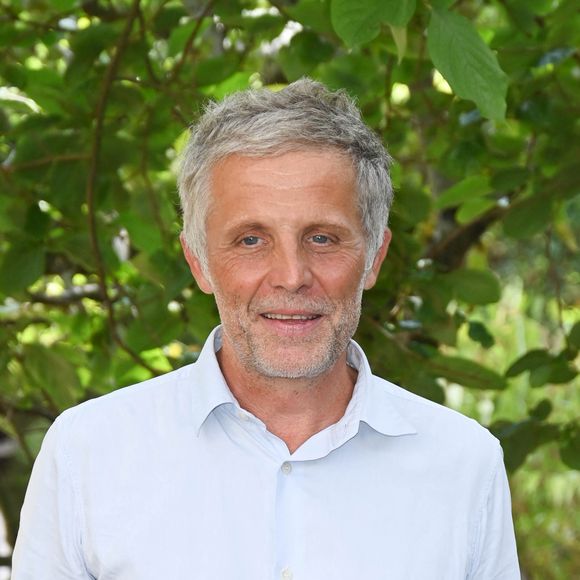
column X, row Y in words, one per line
column 235, row 283
column 341, row 277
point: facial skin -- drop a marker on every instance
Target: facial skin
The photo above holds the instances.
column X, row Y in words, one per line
column 286, row 256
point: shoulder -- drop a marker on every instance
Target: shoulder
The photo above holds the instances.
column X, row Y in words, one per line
column 131, row 408
column 440, row 429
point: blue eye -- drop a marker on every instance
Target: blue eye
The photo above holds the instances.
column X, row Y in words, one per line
column 250, row 240
column 320, row 239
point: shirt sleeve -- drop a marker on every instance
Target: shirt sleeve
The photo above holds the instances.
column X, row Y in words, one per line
column 48, row 546
column 495, row 556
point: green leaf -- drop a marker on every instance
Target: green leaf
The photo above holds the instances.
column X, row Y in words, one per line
column 237, row 82
column 87, row 44
column 570, row 446
column 558, row 372
column 400, row 37
column 354, row 72
column 268, row 25
column 467, row 63
column 63, row 5
column 398, row 12
column 50, row 371
column 528, row 217
column 574, row 336
column 473, row 208
column 155, row 326
column 359, row 22
column 179, row 36
column 203, row 315
column 67, row 183
column 211, row 71
column 478, row 332
column 37, row 223
column 46, row 87
column 412, row 205
column 169, row 272
column 467, row 373
column 508, row 179
column 155, row 331
column 467, row 189
column 305, row 51
column 441, row 4
column 519, row 440
column 540, row 376
column 313, row 14
column 167, row 19
column 542, row 410
column 531, row 360
column 22, row 265
column 475, row 286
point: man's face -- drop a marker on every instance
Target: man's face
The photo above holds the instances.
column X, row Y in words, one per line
column 286, row 256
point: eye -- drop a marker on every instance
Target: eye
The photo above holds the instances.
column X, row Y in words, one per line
column 250, row 241
column 320, row 239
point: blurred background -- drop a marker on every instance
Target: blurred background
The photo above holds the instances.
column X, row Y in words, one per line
column 477, row 305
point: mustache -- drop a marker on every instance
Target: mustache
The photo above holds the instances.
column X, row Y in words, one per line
column 301, row 304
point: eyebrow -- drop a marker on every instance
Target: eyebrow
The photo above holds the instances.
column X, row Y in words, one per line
column 238, row 228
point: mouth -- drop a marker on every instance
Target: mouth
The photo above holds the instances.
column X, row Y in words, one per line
column 297, row 317
column 294, row 325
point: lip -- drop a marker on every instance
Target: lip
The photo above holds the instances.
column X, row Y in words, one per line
column 293, row 327
column 289, row 315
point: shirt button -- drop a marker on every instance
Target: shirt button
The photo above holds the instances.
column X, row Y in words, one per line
column 286, row 470
column 286, row 574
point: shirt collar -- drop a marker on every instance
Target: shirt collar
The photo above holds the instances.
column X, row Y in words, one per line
column 377, row 406
column 209, row 384
column 371, row 402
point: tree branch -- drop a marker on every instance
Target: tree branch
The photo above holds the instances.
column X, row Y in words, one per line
column 451, row 250
column 92, row 182
column 9, row 410
column 9, row 168
column 554, row 277
column 70, row 295
column 189, row 43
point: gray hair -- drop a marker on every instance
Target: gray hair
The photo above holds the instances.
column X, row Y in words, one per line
column 260, row 123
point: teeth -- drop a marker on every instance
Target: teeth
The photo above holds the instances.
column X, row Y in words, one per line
column 291, row 316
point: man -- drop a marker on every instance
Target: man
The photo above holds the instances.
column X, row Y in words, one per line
column 277, row 454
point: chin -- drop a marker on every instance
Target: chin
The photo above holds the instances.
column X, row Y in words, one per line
column 294, row 367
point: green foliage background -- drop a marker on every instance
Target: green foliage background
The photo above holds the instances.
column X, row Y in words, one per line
column 477, row 102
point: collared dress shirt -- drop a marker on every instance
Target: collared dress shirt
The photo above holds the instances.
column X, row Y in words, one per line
column 172, row 480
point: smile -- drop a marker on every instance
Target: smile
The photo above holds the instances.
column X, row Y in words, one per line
column 273, row 316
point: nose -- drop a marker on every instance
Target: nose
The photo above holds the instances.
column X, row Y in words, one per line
column 290, row 268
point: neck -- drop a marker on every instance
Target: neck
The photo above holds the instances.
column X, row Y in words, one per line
column 292, row 409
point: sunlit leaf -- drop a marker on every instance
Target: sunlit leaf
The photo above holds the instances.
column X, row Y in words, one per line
column 467, row 373
column 52, row 373
column 471, row 187
column 475, row 286
column 22, row 265
column 528, row 217
column 359, row 22
column 530, row 360
column 467, row 63
column 570, row 446
column 400, row 37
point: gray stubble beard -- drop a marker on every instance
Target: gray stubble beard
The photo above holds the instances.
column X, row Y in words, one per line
column 253, row 361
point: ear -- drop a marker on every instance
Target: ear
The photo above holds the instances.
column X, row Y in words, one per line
column 195, row 266
column 373, row 273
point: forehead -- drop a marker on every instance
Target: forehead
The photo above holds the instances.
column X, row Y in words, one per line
column 320, row 176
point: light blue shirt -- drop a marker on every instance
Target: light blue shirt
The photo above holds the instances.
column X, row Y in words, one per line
column 171, row 480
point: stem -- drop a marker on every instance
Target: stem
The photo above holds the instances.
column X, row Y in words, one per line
column 189, row 43
column 554, row 276
column 92, row 182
